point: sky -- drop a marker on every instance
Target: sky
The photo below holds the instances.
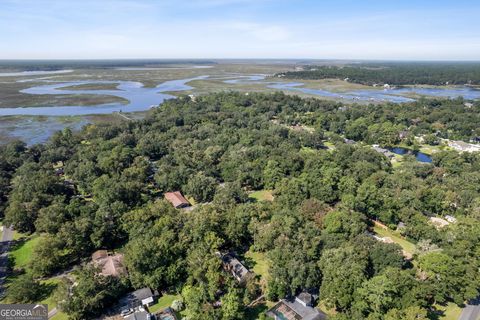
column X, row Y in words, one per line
column 294, row 29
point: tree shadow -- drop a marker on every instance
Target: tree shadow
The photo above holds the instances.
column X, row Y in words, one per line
column 14, row 245
column 253, row 313
column 45, row 290
column 249, row 262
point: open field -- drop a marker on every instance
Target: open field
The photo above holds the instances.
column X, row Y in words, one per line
column 261, row 195
column 21, row 253
column 449, row 312
column 260, row 263
column 405, row 244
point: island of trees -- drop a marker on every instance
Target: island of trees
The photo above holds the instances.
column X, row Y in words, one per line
column 318, row 233
column 394, row 73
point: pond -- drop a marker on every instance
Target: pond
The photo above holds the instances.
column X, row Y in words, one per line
column 420, row 156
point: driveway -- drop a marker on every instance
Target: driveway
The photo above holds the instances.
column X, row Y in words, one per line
column 7, row 237
column 471, row 311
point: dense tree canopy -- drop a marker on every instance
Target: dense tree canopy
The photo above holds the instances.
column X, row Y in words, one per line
column 396, row 73
column 316, row 233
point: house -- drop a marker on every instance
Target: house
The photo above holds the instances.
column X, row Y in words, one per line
column 177, row 199
column 304, row 299
column 137, row 314
column 386, row 86
column 166, row 314
column 235, row 267
column 109, row 265
column 141, row 297
column 299, row 308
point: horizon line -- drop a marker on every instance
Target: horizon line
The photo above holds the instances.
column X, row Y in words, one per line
column 239, row 59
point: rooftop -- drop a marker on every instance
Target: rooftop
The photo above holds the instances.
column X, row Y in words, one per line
column 139, row 314
column 110, row 265
column 177, row 199
column 232, row 264
column 294, row 310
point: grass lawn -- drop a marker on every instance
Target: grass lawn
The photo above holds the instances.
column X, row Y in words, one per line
column 164, row 302
column 329, row 145
column 22, row 253
column 59, row 316
column 396, row 161
column 405, row 244
column 18, row 235
column 450, row 312
column 260, row 263
column 51, row 285
column 261, row 195
column 329, row 311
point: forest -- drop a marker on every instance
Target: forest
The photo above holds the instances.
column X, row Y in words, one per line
column 316, row 233
column 412, row 73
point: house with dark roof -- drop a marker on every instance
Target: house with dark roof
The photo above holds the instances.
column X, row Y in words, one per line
column 177, row 199
column 299, row 308
column 109, row 264
column 166, row 314
column 139, row 298
column 138, row 314
column 235, row 267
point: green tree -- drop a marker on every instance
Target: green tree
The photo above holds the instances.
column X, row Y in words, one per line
column 201, row 187
column 344, row 270
column 376, row 295
column 92, row 294
column 232, row 306
column 24, row 289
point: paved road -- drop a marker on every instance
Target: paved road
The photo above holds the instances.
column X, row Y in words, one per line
column 7, row 237
column 52, row 312
column 471, row 311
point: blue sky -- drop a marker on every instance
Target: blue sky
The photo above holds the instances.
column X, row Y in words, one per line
column 341, row 29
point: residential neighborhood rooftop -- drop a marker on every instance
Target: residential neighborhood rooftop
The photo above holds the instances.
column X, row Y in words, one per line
column 141, row 297
column 235, row 267
column 295, row 309
column 177, row 199
column 109, row 265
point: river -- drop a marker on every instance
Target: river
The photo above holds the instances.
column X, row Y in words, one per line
column 139, row 97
